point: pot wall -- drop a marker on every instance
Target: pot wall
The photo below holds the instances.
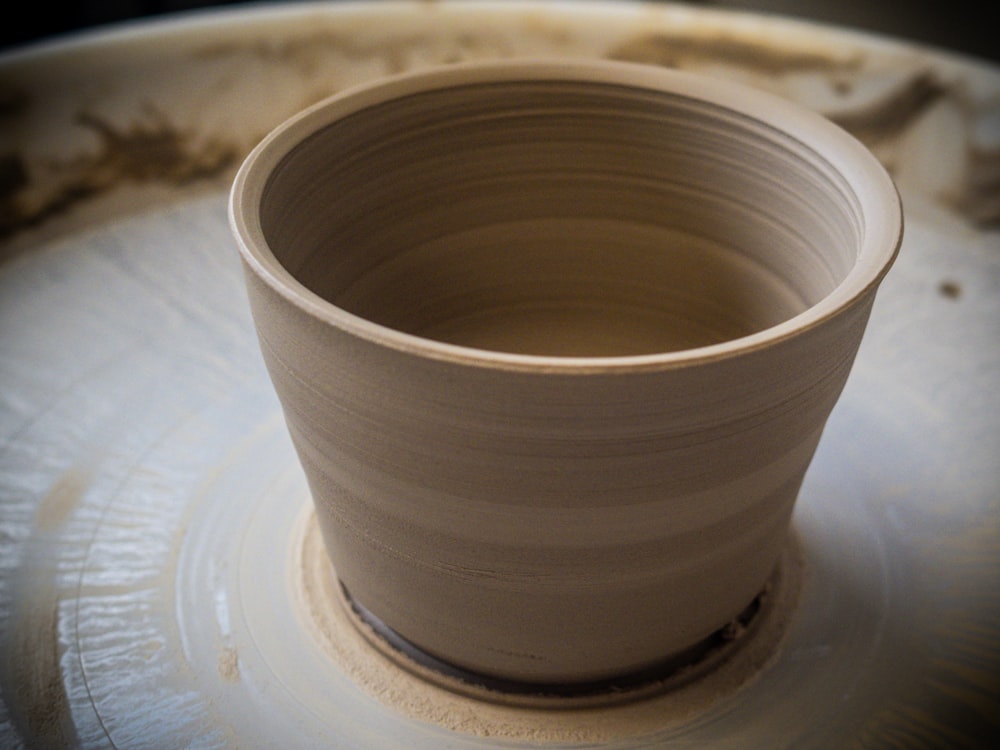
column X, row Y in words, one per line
column 551, row 526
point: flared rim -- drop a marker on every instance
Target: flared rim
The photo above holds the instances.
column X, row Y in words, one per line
column 875, row 193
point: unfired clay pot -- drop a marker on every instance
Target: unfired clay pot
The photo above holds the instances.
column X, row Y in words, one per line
column 556, row 342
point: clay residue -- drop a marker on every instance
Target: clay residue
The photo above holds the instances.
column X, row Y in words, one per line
column 149, row 151
column 305, row 52
column 30, row 674
column 397, row 52
column 405, row 691
column 53, row 509
column 884, row 119
column 979, row 195
column 888, row 117
column 884, row 124
column 13, row 179
column 950, row 289
column 683, row 50
column 13, row 102
column 880, row 124
column 229, row 664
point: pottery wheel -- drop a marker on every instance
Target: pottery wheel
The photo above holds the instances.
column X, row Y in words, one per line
column 157, row 587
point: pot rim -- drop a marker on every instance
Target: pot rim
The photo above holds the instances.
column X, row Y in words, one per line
column 878, row 200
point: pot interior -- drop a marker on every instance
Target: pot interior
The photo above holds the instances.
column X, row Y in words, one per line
column 561, row 218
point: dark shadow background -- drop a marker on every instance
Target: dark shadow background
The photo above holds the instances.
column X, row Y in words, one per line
column 964, row 26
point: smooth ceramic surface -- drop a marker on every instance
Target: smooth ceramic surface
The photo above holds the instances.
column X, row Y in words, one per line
column 146, row 477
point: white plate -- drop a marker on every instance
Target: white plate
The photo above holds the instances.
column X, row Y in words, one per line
column 151, row 508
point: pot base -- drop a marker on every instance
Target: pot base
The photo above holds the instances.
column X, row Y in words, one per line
column 666, row 674
column 388, row 667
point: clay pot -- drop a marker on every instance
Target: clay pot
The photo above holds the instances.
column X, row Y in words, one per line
column 556, row 342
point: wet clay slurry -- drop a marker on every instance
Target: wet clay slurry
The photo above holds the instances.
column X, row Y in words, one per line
column 442, row 268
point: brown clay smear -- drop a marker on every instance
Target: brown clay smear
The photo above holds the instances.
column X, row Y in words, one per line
column 30, row 653
column 58, row 504
column 33, row 192
column 888, row 117
column 229, row 665
column 394, row 51
column 30, row 667
column 979, row 196
column 882, row 124
column 148, row 151
column 408, row 693
column 678, row 50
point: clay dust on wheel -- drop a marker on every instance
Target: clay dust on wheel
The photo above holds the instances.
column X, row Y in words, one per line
column 420, row 692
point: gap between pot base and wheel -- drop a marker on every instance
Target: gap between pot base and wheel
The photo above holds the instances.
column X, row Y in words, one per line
column 661, row 676
column 643, row 704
